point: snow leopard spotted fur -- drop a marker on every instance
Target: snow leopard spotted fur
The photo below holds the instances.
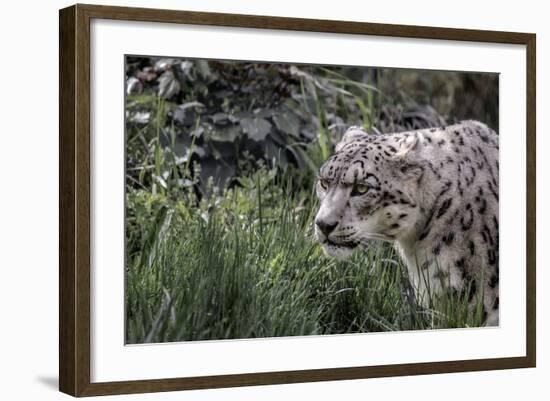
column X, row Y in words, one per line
column 432, row 192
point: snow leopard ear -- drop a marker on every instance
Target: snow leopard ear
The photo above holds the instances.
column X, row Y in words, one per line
column 406, row 146
column 351, row 134
column 409, row 167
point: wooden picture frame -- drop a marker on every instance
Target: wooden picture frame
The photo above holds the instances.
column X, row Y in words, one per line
column 74, row 200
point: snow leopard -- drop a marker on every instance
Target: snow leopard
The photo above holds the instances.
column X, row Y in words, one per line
column 433, row 193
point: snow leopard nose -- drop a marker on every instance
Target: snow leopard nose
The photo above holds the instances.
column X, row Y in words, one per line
column 326, row 228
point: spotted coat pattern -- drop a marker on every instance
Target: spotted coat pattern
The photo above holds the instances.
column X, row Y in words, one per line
column 432, row 192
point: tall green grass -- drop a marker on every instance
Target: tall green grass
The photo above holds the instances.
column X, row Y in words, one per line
column 244, row 264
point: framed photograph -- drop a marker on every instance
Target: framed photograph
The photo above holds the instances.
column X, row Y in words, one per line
column 250, row 200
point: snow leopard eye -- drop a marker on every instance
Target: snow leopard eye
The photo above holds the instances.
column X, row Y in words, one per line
column 359, row 189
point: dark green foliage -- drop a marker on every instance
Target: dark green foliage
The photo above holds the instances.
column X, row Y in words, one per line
column 222, row 114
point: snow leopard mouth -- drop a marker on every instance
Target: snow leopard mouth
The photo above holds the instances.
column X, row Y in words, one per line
column 348, row 245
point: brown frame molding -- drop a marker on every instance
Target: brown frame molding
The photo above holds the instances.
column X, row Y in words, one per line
column 74, row 199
